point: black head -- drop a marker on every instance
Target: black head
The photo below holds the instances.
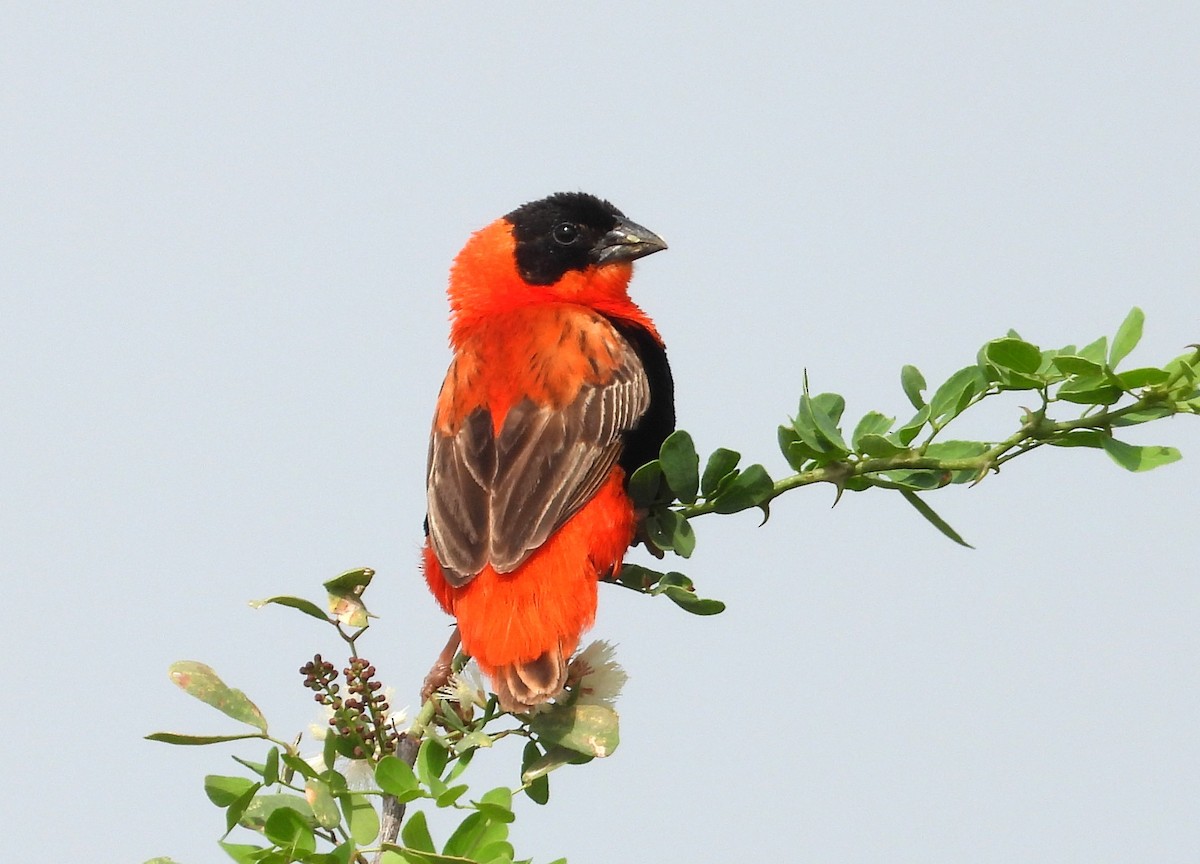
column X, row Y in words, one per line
column 574, row 231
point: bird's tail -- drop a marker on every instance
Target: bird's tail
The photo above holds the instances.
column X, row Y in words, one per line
column 520, row 686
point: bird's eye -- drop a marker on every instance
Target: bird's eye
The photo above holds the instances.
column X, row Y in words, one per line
column 565, row 233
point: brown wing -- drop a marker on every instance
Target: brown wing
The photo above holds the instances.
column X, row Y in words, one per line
column 494, row 499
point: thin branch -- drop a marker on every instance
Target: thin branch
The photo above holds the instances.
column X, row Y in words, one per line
column 410, row 741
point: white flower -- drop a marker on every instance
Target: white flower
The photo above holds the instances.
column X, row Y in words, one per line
column 465, row 688
column 600, row 677
column 359, row 773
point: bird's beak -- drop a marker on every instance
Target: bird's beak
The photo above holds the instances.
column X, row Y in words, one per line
column 627, row 242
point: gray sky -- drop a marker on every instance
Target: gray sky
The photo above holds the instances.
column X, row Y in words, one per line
column 224, row 237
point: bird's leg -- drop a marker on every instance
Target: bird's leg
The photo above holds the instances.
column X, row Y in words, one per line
column 439, row 673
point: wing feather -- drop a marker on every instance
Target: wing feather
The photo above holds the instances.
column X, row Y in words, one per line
column 494, row 499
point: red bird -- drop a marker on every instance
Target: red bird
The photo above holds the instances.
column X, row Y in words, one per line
column 559, row 388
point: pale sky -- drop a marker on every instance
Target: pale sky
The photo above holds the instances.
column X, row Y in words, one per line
column 224, row 237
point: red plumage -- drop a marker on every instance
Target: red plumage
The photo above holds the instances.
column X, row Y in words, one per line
column 558, row 381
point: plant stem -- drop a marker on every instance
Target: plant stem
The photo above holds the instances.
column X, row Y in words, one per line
column 1035, row 431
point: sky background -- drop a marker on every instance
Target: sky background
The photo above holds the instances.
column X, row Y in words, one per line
column 224, row 237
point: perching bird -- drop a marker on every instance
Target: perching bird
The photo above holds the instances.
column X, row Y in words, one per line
column 559, row 388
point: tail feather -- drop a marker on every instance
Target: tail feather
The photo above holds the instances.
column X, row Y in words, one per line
column 523, row 685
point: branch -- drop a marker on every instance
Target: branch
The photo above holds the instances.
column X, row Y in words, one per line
column 913, row 458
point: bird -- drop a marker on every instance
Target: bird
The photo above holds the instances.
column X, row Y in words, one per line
column 558, row 389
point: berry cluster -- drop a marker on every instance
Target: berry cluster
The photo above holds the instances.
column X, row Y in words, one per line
column 360, row 721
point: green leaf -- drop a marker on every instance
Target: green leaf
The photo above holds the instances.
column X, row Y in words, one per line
column 1079, row 438
column 223, row 791
column 873, row 423
column 956, row 392
column 529, row 755
column 554, row 758
column 537, row 785
column 680, row 465
column 1145, row 377
column 934, row 519
column 787, row 437
column 361, row 817
column 877, row 446
column 906, row 433
column 1010, row 380
column 242, row 853
column 396, row 778
column 921, row 479
column 340, row 855
column 588, row 729
column 449, row 795
column 261, row 808
column 496, row 804
column 749, row 489
column 1096, row 351
column 806, row 430
column 1089, row 391
column 345, row 597
column 667, row 529
column 831, row 405
column 821, row 413
column 496, row 852
column 673, row 578
column 415, row 833
column 913, row 383
column 956, row 449
column 1046, row 369
column 637, row 577
column 1186, row 370
column 1134, row 458
column 329, row 752
column 799, row 455
column 324, row 807
column 1014, row 354
column 689, row 602
column 258, row 768
column 720, row 464
column 203, row 683
column 683, row 537
column 287, row 829
column 270, row 771
column 352, row 582
column 1073, row 365
column 1128, row 336
column 296, row 764
column 468, row 743
column 538, row 789
column 238, row 807
column 306, row 606
column 1145, row 415
column 644, row 485
column 465, row 755
column 393, row 854
column 196, row 740
column 474, row 832
column 431, row 761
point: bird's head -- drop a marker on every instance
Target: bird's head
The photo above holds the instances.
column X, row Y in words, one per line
column 569, row 247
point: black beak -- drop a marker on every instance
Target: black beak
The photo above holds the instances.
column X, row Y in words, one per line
column 627, row 242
